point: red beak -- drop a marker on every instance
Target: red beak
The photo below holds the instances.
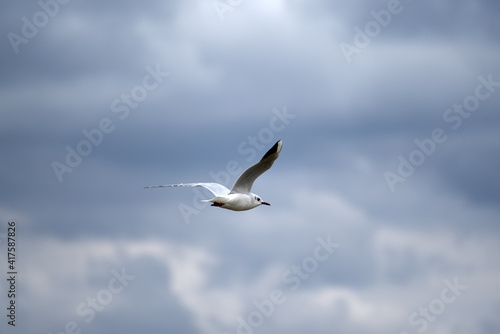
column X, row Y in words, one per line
column 265, row 203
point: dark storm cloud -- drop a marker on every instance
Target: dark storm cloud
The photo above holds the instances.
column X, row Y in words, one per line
column 416, row 18
column 226, row 80
column 470, row 172
column 80, row 40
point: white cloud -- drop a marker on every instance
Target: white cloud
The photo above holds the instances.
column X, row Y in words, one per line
column 341, row 308
column 463, row 253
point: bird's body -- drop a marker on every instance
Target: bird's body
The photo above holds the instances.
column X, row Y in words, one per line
column 239, row 198
column 236, row 202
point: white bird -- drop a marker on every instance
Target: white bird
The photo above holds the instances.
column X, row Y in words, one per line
column 239, row 198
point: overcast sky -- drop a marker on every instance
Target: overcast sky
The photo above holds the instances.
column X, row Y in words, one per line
column 384, row 213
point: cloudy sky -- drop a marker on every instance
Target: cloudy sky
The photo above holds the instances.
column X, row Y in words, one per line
column 384, row 215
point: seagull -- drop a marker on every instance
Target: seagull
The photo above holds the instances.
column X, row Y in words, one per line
column 239, row 198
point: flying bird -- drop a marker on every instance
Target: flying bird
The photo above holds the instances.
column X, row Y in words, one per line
column 239, row 198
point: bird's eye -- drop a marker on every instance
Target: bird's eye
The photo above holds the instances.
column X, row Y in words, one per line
column 258, row 199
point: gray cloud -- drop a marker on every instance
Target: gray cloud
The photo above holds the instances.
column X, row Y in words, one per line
column 227, row 79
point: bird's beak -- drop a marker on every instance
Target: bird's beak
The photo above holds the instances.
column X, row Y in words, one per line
column 265, row 203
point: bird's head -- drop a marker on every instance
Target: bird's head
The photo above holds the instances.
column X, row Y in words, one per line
column 258, row 201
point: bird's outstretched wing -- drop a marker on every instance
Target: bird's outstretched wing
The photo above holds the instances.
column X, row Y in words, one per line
column 215, row 188
column 244, row 183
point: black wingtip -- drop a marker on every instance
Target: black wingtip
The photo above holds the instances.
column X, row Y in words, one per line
column 272, row 150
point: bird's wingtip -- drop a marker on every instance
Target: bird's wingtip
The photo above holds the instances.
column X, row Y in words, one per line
column 275, row 149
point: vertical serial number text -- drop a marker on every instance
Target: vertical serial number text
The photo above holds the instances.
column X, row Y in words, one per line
column 11, row 273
